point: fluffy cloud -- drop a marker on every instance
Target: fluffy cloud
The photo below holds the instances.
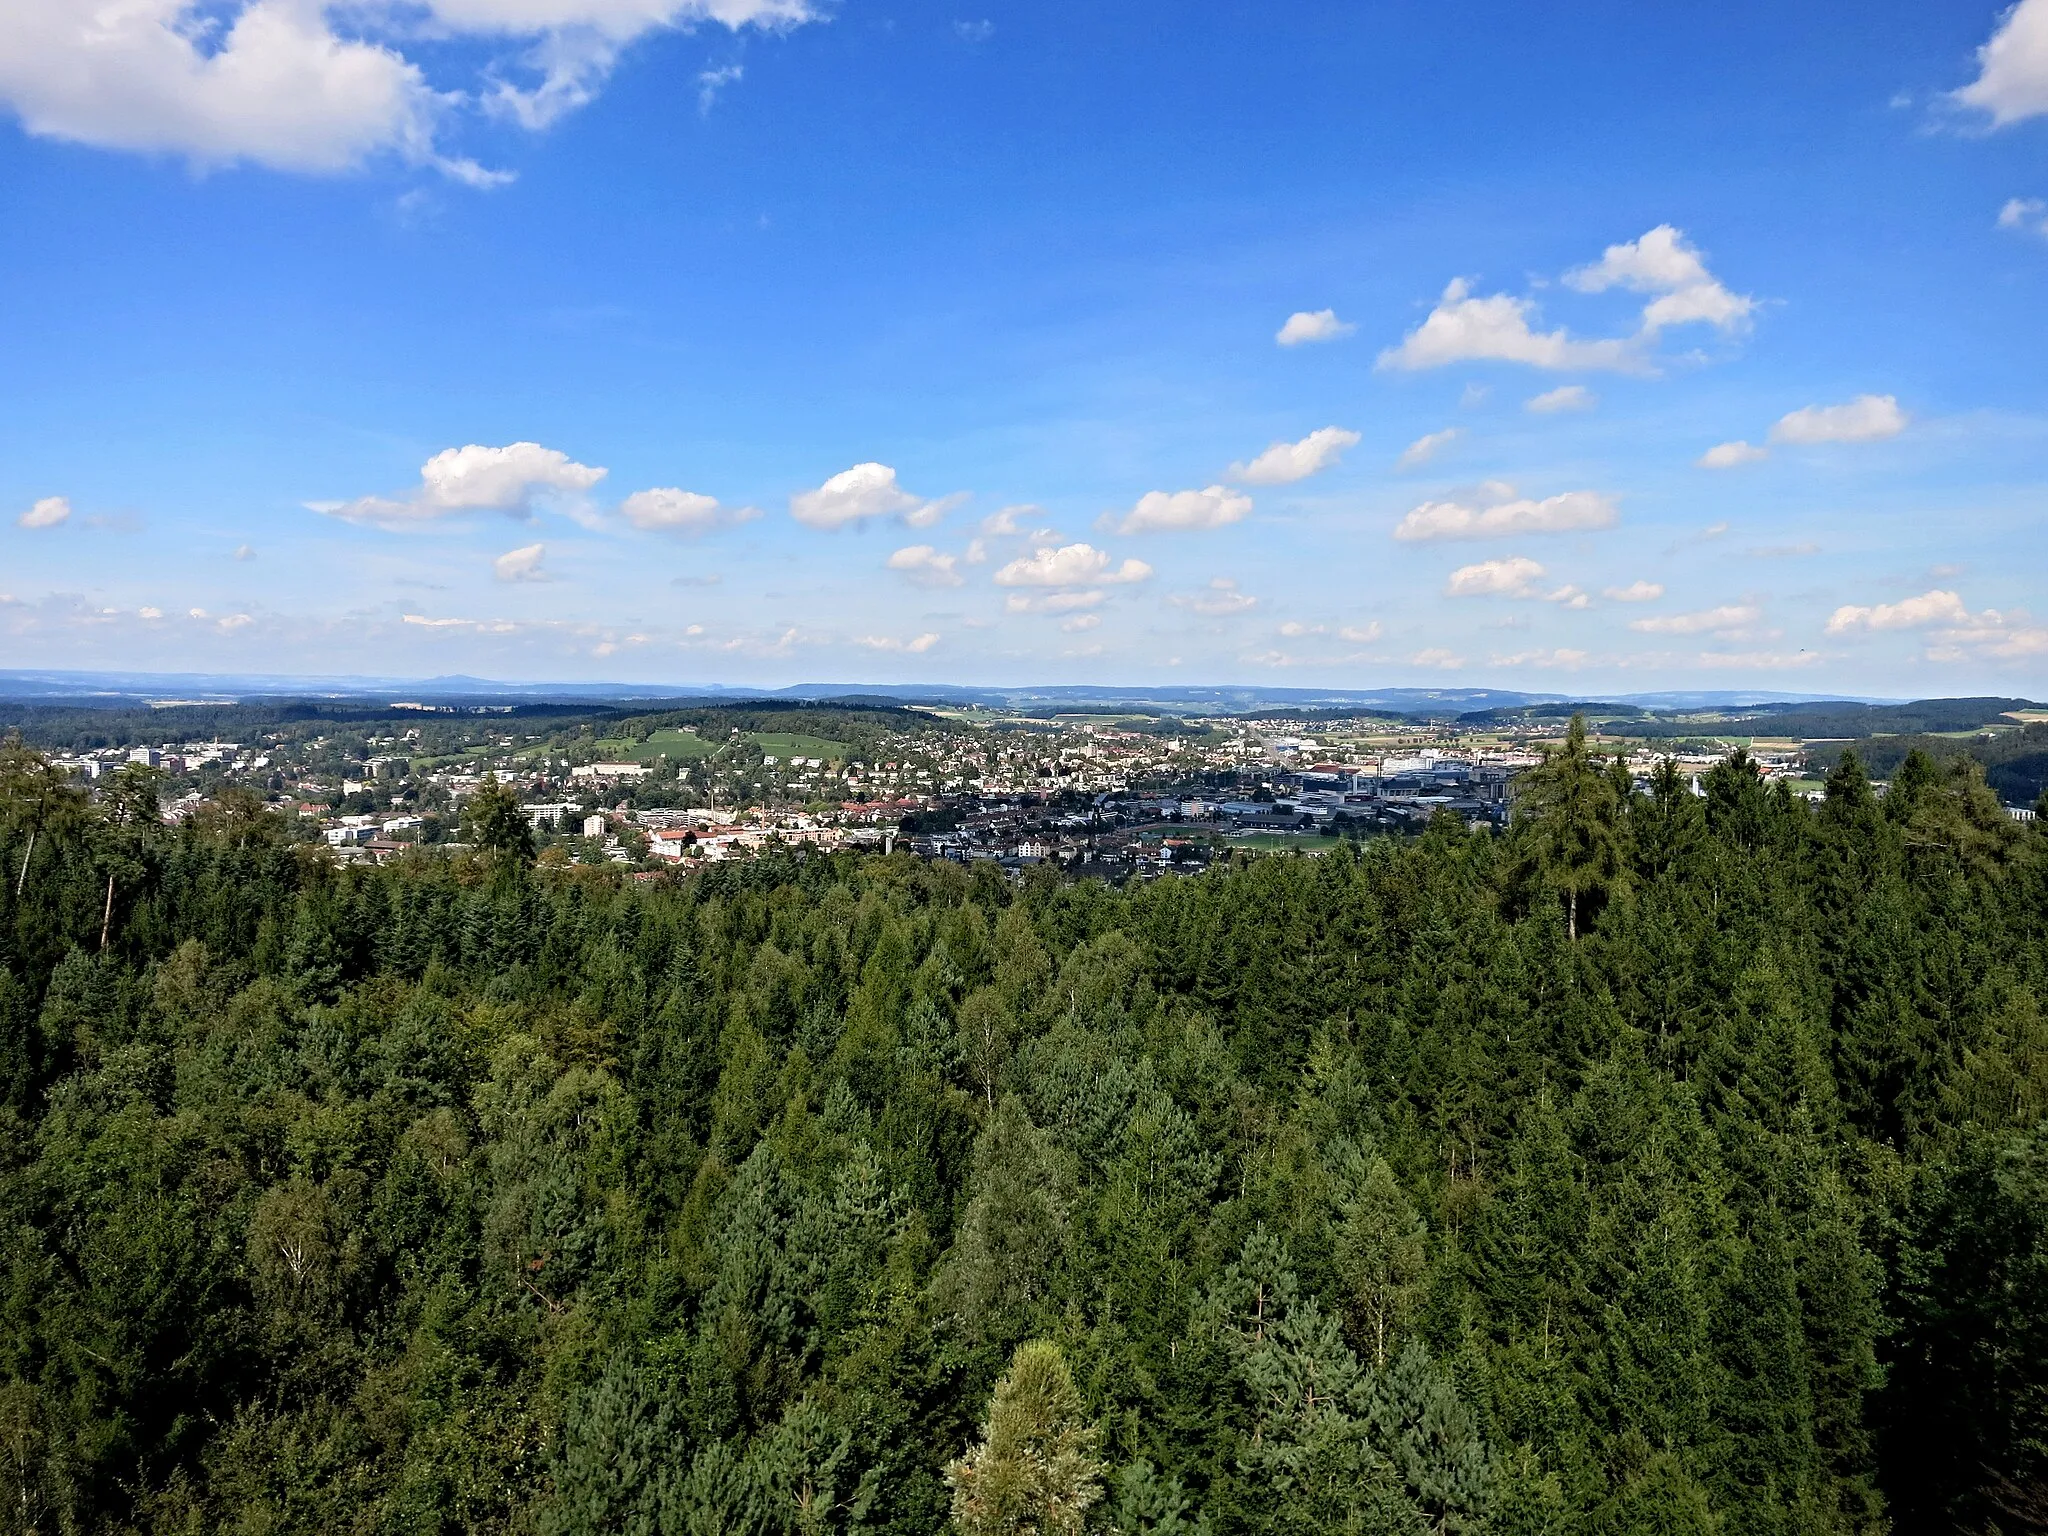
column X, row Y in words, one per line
column 1052, row 602
column 47, row 513
column 1438, row 658
column 272, row 83
column 1284, row 463
column 1635, row 592
column 1071, row 565
column 2025, row 213
column 1179, row 511
column 1566, row 397
column 665, row 509
column 1957, row 633
column 1219, row 600
column 2012, row 68
column 1425, row 448
column 1729, row 455
column 1080, row 623
column 864, row 491
column 474, row 479
column 926, row 566
column 1921, row 612
column 1312, row 325
column 915, row 647
column 1864, row 419
column 1513, row 577
column 1496, row 328
column 1661, row 262
column 1506, row 515
column 521, row 564
column 1728, row 618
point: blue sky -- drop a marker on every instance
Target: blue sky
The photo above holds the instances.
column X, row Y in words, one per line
column 1607, row 348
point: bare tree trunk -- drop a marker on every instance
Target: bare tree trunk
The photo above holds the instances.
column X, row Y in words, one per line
column 22, row 879
column 1571, row 907
column 107, row 919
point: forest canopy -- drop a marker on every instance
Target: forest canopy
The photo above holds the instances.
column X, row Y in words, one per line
column 1671, row 1162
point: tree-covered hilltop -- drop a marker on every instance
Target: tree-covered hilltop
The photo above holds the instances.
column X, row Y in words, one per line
column 1673, row 1163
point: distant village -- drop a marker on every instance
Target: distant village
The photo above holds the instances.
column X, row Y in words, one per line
column 1110, row 798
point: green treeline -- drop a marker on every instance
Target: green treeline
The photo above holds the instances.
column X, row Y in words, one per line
column 1672, row 1163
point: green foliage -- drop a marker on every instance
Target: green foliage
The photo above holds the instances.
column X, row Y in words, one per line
column 1673, row 1163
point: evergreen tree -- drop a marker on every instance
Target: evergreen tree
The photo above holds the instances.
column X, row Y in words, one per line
column 1035, row 1472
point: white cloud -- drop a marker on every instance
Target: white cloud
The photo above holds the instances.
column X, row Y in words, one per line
column 1425, row 448
column 1729, row 455
column 1663, row 263
column 1080, row 622
column 522, row 564
column 1002, row 523
column 864, row 491
column 926, row 566
column 273, row 83
column 1284, row 463
column 1508, row 515
column 47, row 513
column 1179, row 511
column 2012, row 68
column 1562, row 659
column 1515, row 576
column 711, row 81
column 1635, row 592
column 916, row 647
column 474, row 479
column 1864, row 419
column 1071, row 565
column 1361, row 635
column 1496, row 328
column 1929, row 608
column 1566, row 397
column 245, row 552
column 1312, row 325
column 1219, row 600
column 2025, row 213
column 1439, row 658
column 1052, row 602
column 1729, row 617
column 666, row 509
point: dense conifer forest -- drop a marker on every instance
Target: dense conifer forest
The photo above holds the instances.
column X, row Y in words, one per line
column 1672, row 1163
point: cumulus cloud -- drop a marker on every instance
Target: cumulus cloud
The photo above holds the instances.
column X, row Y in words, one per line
column 1635, row 592
column 1283, row 463
column 1729, row 455
column 1080, row 623
column 1220, row 599
column 474, row 479
column 1496, row 328
column 1954, row 632
column 1425, row 448
column 2012, row 68
column 46, row 513
column 1726, row 619
column 1513, row 577
column 1505, row 515
column 1071, row 565
column 666, row 509
column 1439, row 658
column 1566, row 397
column 1312, row 325
column 1181, row 511
column 1662, row 262
column 926, row 566
column 273, row 83
column 2025, row 213
column 1361, row 634
column 1929, row 608
column 1865, row 419
column 522, row 564
column 865, row 491
column 1052, row 602
column 915, row 647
